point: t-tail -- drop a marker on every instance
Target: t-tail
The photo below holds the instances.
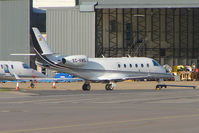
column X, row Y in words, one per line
column 44, row 53
column 48, row 57
column 42, row 42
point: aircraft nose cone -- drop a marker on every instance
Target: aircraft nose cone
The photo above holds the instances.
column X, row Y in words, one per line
column 169, row 74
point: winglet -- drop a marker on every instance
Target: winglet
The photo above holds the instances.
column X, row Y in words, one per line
column 42, row 43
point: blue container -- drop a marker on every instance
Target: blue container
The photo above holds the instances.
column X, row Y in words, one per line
column 62, row 75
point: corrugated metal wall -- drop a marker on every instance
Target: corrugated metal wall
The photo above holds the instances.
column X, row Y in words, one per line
column 14, row 29
column 70, row 31
column 143, row 3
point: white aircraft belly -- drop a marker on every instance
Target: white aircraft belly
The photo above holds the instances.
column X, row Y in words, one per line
column 107, row 74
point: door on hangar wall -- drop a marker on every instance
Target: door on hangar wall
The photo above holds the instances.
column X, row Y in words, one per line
column 171, row 36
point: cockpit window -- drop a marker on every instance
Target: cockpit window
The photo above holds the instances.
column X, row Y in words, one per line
column 155, row 63
column 26, row 66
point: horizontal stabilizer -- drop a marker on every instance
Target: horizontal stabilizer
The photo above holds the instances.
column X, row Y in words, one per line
column 31, row 54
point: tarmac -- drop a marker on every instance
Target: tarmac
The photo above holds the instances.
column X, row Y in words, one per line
column 126, row 85
column 132, row 107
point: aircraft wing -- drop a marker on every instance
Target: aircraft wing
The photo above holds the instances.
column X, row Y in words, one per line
column 29, row 78
column 60, row 79
column 130, row 78
column 47, row 79
column 138, row 77
column 123, row 79
column 16, row 76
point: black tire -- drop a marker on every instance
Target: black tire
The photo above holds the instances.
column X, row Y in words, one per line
column 86, row 87
column 109, row 87
column 32, row 85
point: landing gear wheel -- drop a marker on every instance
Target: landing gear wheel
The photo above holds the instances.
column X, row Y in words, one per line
column 86, row 87
column 109, row 87
column 32, row 85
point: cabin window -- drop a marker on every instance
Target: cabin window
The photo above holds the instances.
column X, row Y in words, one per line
column 124, row 65
column 6, row 69
column 118, row 65
column 142, row 65
column 130, row 65
column 26, row 66
column 147, row 65
column 155, row 63
column 136, row 65
column 12, row 66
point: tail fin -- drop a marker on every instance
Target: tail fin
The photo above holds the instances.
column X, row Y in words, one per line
column 42, row 43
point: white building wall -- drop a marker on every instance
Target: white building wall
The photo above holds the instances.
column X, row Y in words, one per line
column 53, row 3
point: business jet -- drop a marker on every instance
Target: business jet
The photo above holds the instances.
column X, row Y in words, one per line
column 106, row 70
column 17, row 70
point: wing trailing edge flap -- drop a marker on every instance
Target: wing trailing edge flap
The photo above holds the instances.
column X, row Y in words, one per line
column 123, row 79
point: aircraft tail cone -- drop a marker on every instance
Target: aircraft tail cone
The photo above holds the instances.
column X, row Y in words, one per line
column 17, row 86
column 54, row 84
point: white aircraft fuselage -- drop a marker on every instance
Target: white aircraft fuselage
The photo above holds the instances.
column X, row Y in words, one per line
column 10, row 69
column 108, row 70
column 114, row 69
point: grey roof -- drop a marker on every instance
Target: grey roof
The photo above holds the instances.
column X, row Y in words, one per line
column 143, row 3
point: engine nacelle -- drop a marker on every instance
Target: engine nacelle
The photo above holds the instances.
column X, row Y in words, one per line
column 75, row 60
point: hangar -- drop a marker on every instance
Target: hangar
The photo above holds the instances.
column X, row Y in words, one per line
column 16, row 19
column 167, row 31
column 14, row 29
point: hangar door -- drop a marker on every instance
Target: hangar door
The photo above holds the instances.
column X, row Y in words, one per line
column 169, row 35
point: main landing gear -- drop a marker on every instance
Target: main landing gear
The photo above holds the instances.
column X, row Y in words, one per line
column 86, row 87
column 109, row 87
column 32, row 85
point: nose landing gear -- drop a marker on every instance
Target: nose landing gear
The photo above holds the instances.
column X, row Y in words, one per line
column 110, row 86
